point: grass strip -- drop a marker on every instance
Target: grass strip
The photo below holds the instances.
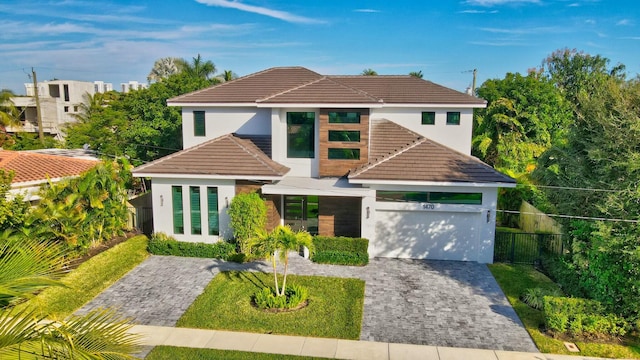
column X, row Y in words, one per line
column 91, row 278
column 515, row 279
column 334, row 309
column 179, row 353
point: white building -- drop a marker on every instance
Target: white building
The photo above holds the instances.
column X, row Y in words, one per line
column 132, row 85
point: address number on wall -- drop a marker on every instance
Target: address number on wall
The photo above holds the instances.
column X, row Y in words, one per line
column 428, row 206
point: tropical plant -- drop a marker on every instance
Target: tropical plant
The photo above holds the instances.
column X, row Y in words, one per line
column 29, row 265
column 9, row 115
column 198, row 68
column 369, row 72
column 165, row 67
column 227, row 75
column 13, row 209
column 417, row 74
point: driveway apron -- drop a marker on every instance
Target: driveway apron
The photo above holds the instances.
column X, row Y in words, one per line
column 439, row 303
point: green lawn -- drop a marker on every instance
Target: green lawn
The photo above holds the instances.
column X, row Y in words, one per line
column 91, row 278
column 514, row 280
column 334, row 310
column 179, row 353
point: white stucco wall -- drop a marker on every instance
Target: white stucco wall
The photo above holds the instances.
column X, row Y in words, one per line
column 221, row 121
column 406, row 220
column 163, row 207
column 299, row 167
column 457, row 137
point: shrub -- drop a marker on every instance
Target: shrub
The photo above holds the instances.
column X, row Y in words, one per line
column 582, row 317
column 340, row 250
column 248, row 216
column 534, row 297
column 563, row 273
column 161, row 244
column 293, row 296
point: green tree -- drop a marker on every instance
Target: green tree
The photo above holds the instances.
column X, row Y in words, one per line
column 369, row 72
column 29, row 265
column 13, row 210
column 199, row 68
column 9, row 115
column 417, row 74
column 248, row 216
column 165, row 67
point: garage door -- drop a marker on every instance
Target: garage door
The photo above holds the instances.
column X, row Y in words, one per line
column 426, row 235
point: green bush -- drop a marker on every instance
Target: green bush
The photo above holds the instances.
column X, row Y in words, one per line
column 534, row 297
column 294, row 295
column 161, row 244
column 563, row 273
column 248, row 216
column 582, row 317
column 340, row 250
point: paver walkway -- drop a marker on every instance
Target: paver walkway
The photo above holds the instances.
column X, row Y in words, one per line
column 438, row 303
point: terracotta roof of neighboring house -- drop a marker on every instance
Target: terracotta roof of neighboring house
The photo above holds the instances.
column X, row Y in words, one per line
column 400, row 154
column 300, row 85
column 29, row 166
column 227, row 155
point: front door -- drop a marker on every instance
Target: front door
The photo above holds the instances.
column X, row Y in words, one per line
column 301, row 213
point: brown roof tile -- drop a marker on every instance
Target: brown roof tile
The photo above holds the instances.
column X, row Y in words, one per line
column 227, row 155
column 301, row 85
column 29, row 166
column 420, row 160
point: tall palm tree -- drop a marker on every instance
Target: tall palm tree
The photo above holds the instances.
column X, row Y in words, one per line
column 227, row 75
column 29, row 265
column 199, row 68
column 165, row 67
column 369, row 72
column 9, row 114
column 417, row 74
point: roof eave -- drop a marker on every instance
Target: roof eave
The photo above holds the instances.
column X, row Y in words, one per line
column 211, row 104
column 206, row 176
column 432, row 183
column 320, row 105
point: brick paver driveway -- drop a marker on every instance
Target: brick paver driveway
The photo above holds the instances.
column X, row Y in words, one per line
column 442, row 303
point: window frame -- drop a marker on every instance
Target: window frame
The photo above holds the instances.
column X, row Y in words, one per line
column 199, row 116
column 434, row 197
column 330, row 132
column 431, row 120
column 451, row 117
column 342, row 150
column 213, row 230
column 177, row 207
column 195, row 210
column 309, row 124
column 337, row 119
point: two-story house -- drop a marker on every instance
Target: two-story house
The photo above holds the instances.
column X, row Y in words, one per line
column 381, row 157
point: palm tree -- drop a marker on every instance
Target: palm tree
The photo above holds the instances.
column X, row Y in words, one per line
column 165, row 67
column 29, row 265
column 9, row 114
column 369, row 72
column 227, row 75
column 199, row 68
column 417, row 74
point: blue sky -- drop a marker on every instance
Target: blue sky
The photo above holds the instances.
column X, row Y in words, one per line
column 119, row 40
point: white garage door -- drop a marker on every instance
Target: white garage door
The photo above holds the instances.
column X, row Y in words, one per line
column 426, row 235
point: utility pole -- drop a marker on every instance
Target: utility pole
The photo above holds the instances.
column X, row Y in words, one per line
column 473, row 89
column 39, row 113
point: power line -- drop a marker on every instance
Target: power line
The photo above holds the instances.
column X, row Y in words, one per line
column 567, row 188
column 570, row 216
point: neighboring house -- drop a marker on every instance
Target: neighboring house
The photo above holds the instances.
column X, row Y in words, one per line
column 131, row 86
column 32, row 169
column 386, row 158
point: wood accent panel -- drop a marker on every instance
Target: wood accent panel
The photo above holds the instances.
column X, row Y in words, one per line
column 335, row 167
column 272, row 201
column 339, row 216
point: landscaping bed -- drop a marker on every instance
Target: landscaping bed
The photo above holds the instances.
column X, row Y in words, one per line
column 334, row 307
column 516, row 279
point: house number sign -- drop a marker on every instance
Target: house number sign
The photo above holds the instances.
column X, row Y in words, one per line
column 428, row 206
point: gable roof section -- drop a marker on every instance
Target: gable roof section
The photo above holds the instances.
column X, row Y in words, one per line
column 227, row 155
column 298, row 85
column 250, row 88
column 29, row 166
column 420, row 159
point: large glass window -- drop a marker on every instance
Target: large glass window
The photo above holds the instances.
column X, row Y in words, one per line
column 301, row 134
column 212, row 211
column 431, row 197
column 178, row 216
column 196, row 219
column 428, row 118
column 199, row 127
column 453, row 118
column 344, row 154
column 344, row 135
column 344, row 117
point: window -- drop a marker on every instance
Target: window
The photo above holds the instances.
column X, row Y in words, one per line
column 75, row 108
column 453, row 118
column 301, row 134
column 66, row 109
column 196, row 219
column 178, row 218
column 212, row 211
column 199, row 128
column 344, row 154
column 66, row 92
column 344, row 135
column 431, row 197
column 344, row 117
column 428, row 118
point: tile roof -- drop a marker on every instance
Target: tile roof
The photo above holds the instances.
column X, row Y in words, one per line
column 227, row 155
column 29, row 166
column 300, row 85
column 407, row 156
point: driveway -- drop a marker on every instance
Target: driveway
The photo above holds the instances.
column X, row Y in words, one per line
column 440, row 303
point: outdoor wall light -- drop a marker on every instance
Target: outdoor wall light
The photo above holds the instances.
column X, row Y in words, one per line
column 161, row 200
column 488, row 215
column 226, row 201
column 368, row 212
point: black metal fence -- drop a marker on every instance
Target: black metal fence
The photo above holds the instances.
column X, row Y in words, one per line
column 527, row 248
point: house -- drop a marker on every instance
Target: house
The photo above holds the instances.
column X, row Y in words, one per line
column 33, row 169
column 386, row 158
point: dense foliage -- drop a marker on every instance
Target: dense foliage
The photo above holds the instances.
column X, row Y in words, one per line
column 340, row 250
column 247, row 216
column 161, row 244
column 582, row 317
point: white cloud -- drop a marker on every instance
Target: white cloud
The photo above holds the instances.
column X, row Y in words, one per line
column 490, row 3
column 623, row 22
column 367, row 10
column 478, row 12
column 523, row 31
column 282, row 15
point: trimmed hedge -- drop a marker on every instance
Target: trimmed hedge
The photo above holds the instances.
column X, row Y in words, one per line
column 220, row 250
column 581, row 317
column 340, row 250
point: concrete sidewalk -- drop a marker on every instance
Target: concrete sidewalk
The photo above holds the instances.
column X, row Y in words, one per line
column 323, row 347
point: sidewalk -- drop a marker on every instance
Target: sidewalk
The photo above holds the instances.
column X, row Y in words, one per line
column 322, row 347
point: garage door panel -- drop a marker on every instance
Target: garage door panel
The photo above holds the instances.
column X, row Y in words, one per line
column 426, row 235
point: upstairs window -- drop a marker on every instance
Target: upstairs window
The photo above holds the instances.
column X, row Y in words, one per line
column 199, row 128
column 344, row 117
column 344, row 135
column 428, row 118
column 453, row 118
column 301, row 134
column 344, row 154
